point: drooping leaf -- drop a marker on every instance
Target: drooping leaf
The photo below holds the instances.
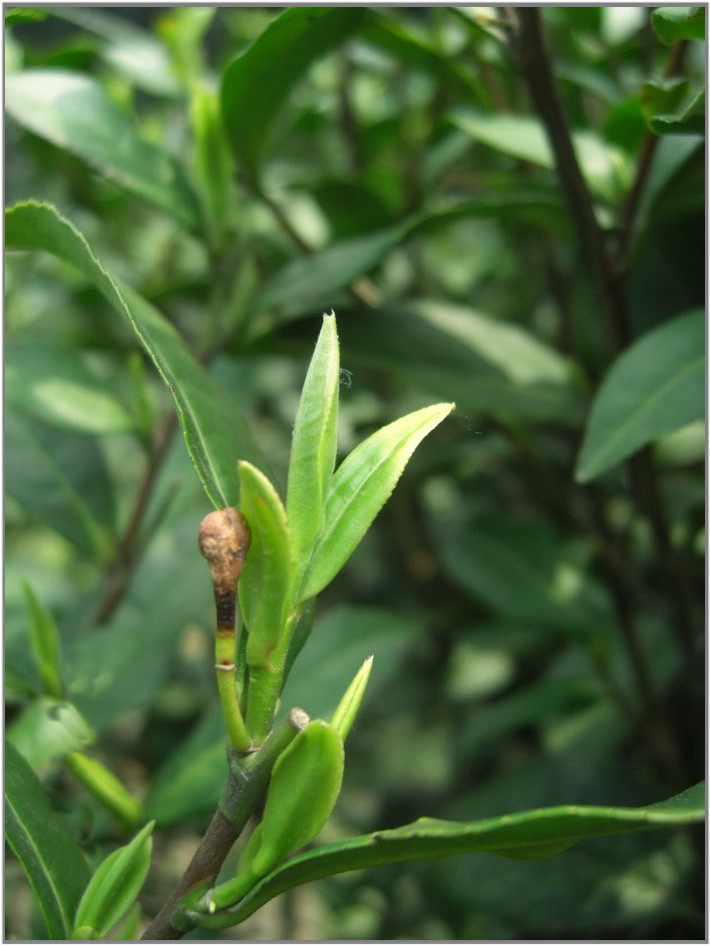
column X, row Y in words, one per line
column 213, row 427
column 55, row 386
column 361, row 486
column 48, row 729
column 314, row 442
column 41, row 841
column 72, row 110
column 258, row 83
column 114, row 886
column 528, row 834
column 655, row 387
column 46, row 645
column 673, row 24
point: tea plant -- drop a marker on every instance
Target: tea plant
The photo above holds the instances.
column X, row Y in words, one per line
column 511, row 639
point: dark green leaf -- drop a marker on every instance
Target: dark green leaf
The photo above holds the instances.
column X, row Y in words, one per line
column 673, row 24
column 258, row 83
column 40, row 840
column 654, row 388
column 72, row 111
column 529, row 834
column 215, row 433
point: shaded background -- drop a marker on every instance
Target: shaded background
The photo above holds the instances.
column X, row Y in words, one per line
column 532, row 644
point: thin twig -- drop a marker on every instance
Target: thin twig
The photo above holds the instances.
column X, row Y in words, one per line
column 126, row 558
column 248, row 778
column 537, row 69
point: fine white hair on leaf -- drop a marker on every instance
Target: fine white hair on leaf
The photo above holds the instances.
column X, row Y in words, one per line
column 346, row 378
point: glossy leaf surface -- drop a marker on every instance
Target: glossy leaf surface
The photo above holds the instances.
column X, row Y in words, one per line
column 529, row 834
column 214, row 430
column 655, row 387
column 361, row 486
column 42, row 843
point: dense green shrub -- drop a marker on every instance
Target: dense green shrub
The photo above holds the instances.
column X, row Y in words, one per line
column 505, row 208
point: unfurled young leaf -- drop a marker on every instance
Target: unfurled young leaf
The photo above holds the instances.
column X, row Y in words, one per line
column 361, row 486
column 114, row 887
column 344, row 715
column 314, row 441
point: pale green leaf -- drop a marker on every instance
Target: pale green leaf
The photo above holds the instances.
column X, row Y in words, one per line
column 314, row 442
column 361, row 486
column 114, row 886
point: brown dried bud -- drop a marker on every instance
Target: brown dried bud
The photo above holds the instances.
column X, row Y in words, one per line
column 224, row 538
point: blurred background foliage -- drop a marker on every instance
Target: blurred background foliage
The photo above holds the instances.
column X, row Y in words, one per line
column 537, row 641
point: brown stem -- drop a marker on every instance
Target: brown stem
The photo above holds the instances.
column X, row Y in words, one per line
column 126, row 558
column 248, row 779
column 537, row 68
